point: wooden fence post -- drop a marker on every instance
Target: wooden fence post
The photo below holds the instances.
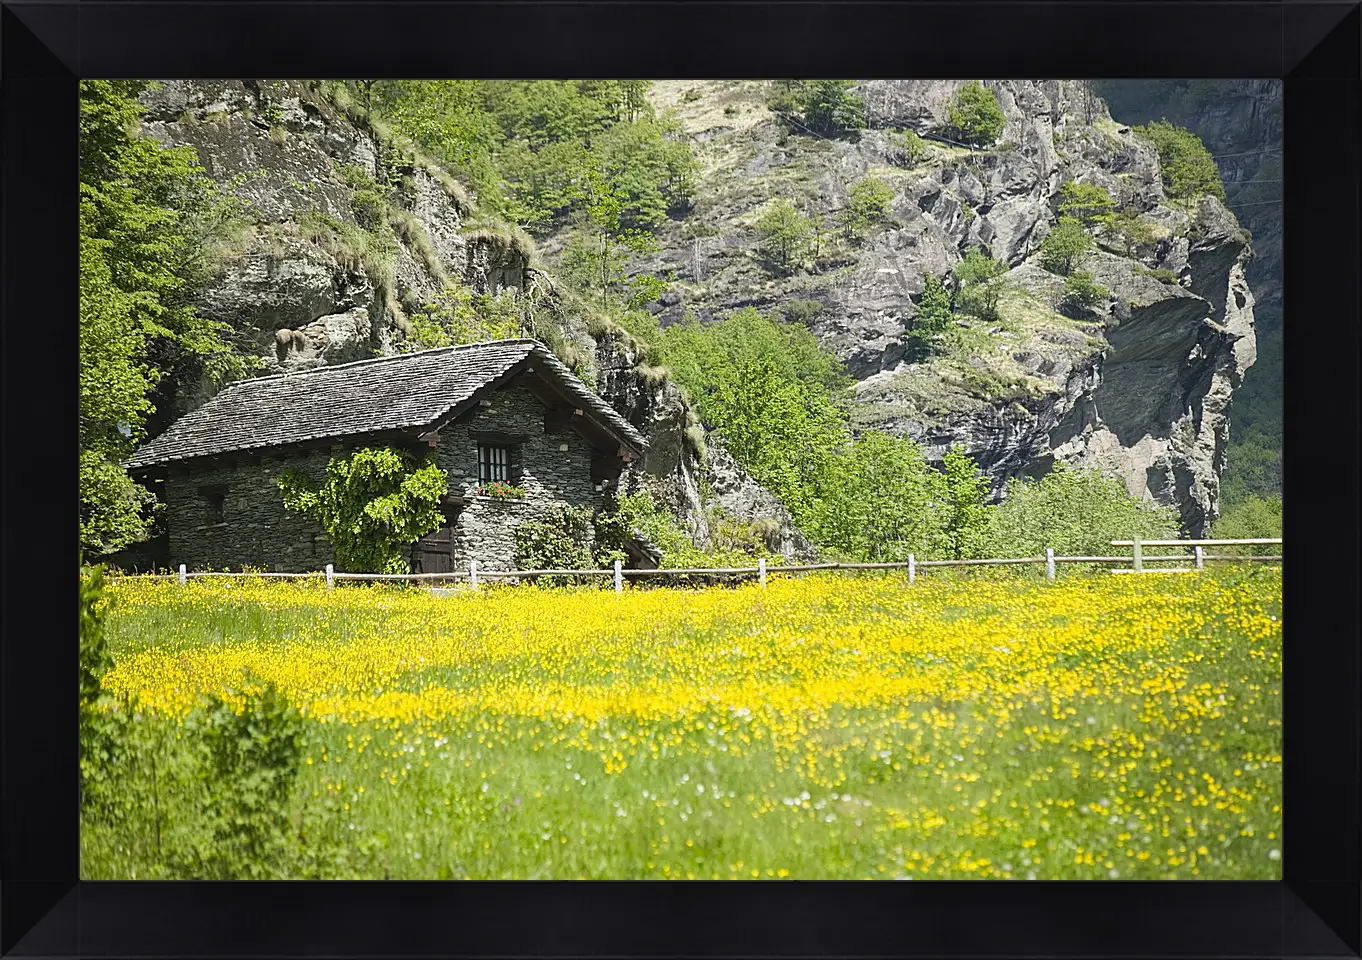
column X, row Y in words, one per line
column 1050, row 564
column 761, row 571
column 473, row 573
column 182, row 577
column 912, row 569
column 619, row 578
column 330, row 575
column 1200, row 557
column 1138, row 556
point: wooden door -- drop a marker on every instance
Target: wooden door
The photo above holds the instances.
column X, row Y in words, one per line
column 434, row 552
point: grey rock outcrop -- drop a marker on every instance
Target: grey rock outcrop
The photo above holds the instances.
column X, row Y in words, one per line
column 1138, row 385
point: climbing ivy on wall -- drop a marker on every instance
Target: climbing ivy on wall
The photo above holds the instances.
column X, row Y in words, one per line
column 372, row 504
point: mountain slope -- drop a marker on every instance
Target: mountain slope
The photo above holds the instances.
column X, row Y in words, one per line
column 1139, row 385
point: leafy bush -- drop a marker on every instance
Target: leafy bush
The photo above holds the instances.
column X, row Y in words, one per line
column 784, row 235
column 1074, row 512
column 733, row 542
column 1137, row 233
column 1065, row 247
column 803, row 312
column 867, row 204
column 1088, row 203
column 977, row 285
column 830, row 106
column 250, row 739
column 372, row 504
column 1080, row 290
column 974, row 115
column 559, row 540
column 912, row 148
column 1186, row 166
column 97, row 743
column 1250, row 518
column 457, row 315
column 1169, row 277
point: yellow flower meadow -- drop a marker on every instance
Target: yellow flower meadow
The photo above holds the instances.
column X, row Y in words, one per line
column 824, row 727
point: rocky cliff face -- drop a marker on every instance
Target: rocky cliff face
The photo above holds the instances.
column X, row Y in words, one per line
column 312, row 275
column 1139, row 385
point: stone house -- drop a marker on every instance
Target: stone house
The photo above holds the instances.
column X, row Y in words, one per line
column 504, row 411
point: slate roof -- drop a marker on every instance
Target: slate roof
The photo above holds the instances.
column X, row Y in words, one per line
column 349, row 399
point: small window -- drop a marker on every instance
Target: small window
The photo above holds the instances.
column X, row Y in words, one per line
column 494, row 463
column 215, row 501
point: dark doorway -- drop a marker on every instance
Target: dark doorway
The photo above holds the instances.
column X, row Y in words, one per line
column 434, row 552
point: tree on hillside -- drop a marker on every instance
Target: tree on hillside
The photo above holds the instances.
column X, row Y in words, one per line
column 149, row 222
column 1250, row 518
column 1186, row 166
column 770, row 392
column 1065, row 247
column 867, row 205
column 1088, row 203
column 830, row 106
column 974, row 115
column 783, row 431
column 977, row 285
column 596, row 256
column 933, row 314
column 784, row 235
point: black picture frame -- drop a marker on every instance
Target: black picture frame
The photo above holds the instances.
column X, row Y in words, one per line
column 45, row 911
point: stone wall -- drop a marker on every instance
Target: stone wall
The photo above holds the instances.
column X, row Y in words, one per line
column 256, row 530
column 554, row 468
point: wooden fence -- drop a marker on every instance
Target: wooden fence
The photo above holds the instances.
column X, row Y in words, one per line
column 475, row 575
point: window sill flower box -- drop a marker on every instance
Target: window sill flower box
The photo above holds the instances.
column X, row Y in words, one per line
column 499, row 490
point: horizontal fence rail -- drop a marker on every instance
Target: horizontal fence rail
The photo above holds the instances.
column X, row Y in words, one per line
column 473, row 574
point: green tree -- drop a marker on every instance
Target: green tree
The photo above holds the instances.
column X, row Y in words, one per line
column 912, row 148
column 1186, row 166
column 597, row 255
column 782, row 430
column 867, row 205
column 1065, row 247
column 877, row 503
column 1135, row 232
column 653, row 175
column 830, row 106
column 964, row 506
column 447, row 119
column 773, row 396
column 1250, row 518
column 933, row 314
column 1075, row 513
column 151, row 221
column 784, row 235
column 1088, row 203
column 978, row 287
column 1080, row 291
column 974, row 115
column 372, row 504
